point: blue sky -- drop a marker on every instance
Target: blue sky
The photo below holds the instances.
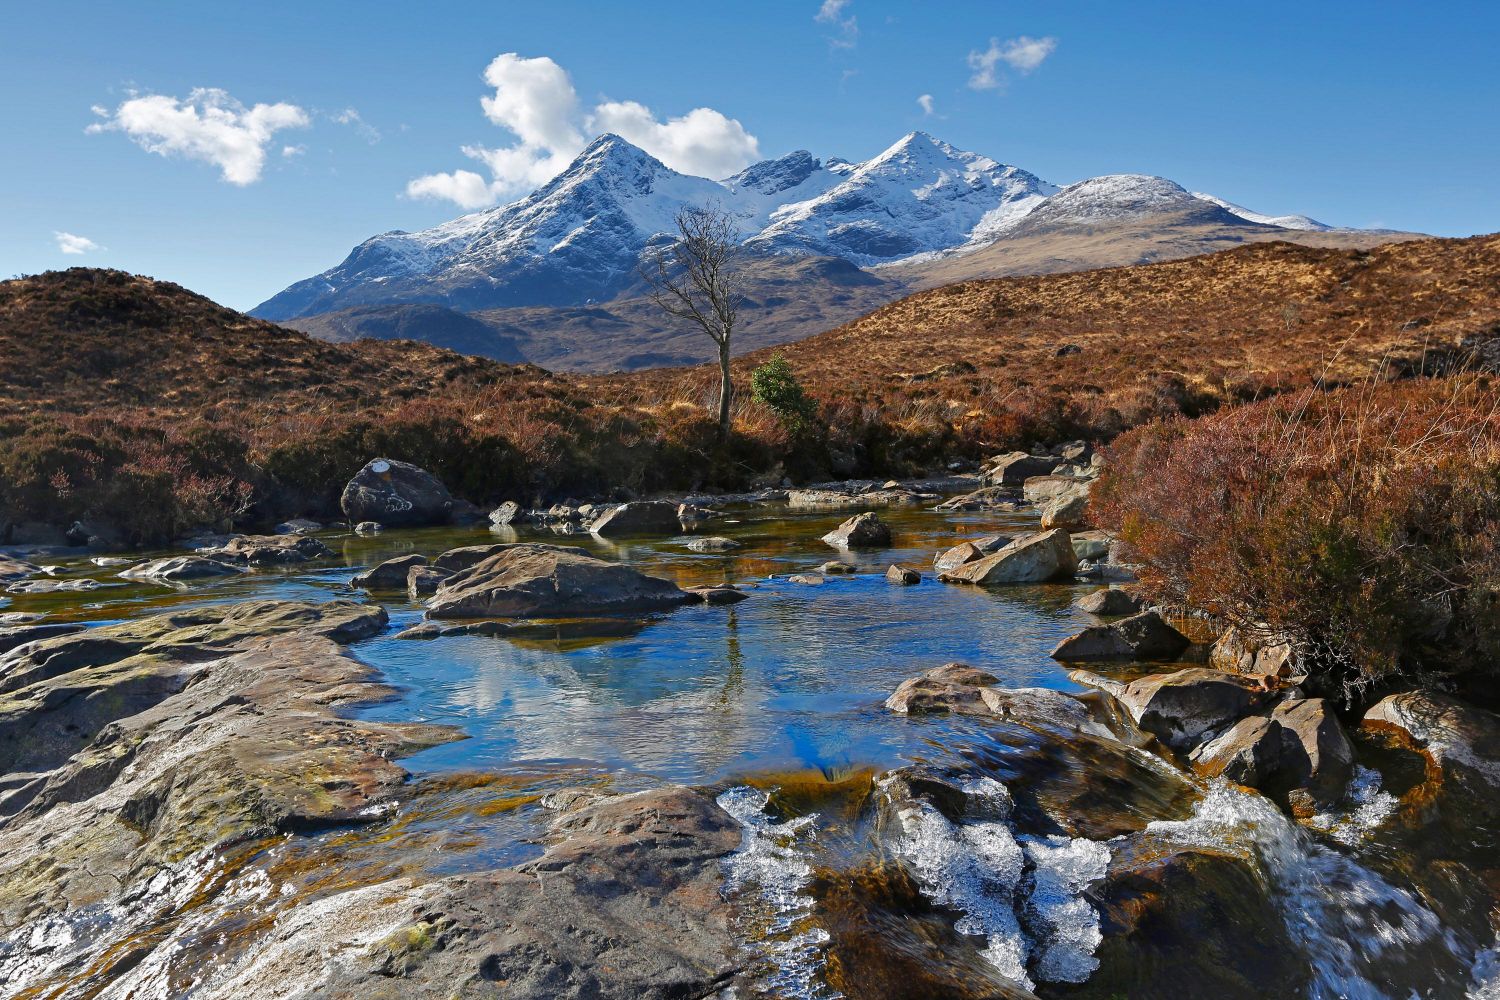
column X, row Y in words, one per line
column 1378, row 114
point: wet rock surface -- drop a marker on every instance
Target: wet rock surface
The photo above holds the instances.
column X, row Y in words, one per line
column 1037, row 558
column 389, row 575
column 180, row 568
column 1142, row 636
column 645, row 517
column 862, row 531
column 268, row 550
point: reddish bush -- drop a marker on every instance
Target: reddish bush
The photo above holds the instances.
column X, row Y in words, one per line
column 1364, row 523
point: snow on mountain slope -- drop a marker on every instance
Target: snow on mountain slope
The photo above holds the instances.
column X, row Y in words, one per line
column 1116, row 198
column 762, row 188
column 919, row 196
column 577, row 237
column 1280, row 221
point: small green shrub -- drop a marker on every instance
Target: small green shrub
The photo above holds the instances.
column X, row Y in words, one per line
column 775, row 385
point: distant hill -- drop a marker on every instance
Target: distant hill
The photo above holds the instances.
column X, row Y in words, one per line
column 437, row 325
column 85, row 339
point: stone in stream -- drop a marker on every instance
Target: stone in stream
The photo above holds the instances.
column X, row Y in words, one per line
column 1093, row 545
column 1067, row 511
column 903, row 575
column 268, row 550
column 422, row 581
column 178, row 568
column 550, row 581
column 507, row 513
column 835, row 568
column 725, row 594
column 862, row 531
column 1256, row 655
column 969, row 551
column 396, row 494
column 713, row 543
column 986, row 498
column 1040, row 489
column 1461, row 744
column 51, row 586
column 389, row 575
column 1300, row 746
column 640, row 517
column 298, row 526
column 1109, row 602
column 368, row 528
column 1037, row 558
column 1181, row 708
column 16, row 569
column 1015, row 468
column 807, row 579
column 1186, row 921
column 453, row 560
column 1142, row 636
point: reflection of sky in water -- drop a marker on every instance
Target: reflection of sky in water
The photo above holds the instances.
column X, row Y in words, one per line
column 794, row 676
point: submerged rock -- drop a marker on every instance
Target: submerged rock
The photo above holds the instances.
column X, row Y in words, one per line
column 550, row 581
column 389, row 575
column 1046, row 555
column 713, row 543
column 862, row 531
column 396, row 494
column 179, row 568
column 269, row 550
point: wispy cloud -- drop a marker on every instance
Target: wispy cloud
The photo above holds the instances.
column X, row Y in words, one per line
column 926, row 102
column 71, row 243
column 207, row 125
column 1023, row 54
column 831, row 12
column 535, row 100
column 366, row 131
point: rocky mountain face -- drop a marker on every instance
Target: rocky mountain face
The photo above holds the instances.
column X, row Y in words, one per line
column 556, row 273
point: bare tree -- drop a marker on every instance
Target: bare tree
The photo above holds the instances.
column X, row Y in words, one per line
column 696, row 279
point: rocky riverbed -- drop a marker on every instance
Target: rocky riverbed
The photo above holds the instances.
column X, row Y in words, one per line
column 528, row 760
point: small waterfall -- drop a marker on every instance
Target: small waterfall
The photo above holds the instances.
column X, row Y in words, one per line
column 770, row 873
column 1023, row 894
column 1345, row 917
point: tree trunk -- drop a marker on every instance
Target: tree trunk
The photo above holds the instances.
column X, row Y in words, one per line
column 726, row 390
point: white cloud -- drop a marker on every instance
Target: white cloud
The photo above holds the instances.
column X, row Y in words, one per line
column 832, row 12
column 534, row 99
column 1022, row 54
column 702, row 142
column 290, row 151
column 207, row 125
column 74, row 244
column 464, row 188
column 926, row 101
column 351, row 117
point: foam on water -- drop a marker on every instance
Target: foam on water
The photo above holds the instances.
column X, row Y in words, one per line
column 1368, row 807
column 771, row 868
column 1344, row 916
column 1024, row 895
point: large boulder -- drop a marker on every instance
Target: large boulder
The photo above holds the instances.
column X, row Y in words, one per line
column 969, row 551
column 453, row 560
column 1181, row 708
column 1142, row 636
column 1093, row 545
column 1039, row 489
column 1318, row 756
column 178, row 568
column 389, row 575
column 1066, row 511
column 550, row 581
column 1046, row 555
column 862, row 531
column 953, row 687
column 1461, row 744
column 639, row 517
column 1255, row 654
column 396, row 494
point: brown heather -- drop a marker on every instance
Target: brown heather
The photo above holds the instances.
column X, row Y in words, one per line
column 137, row 402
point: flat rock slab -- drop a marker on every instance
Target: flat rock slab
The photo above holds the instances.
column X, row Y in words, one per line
column 181, row 568
column 551, row 581
column 713, row 543
column 269, row 550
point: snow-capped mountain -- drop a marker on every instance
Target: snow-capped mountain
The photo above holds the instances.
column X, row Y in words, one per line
column 919, row 196
column 578, row 239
